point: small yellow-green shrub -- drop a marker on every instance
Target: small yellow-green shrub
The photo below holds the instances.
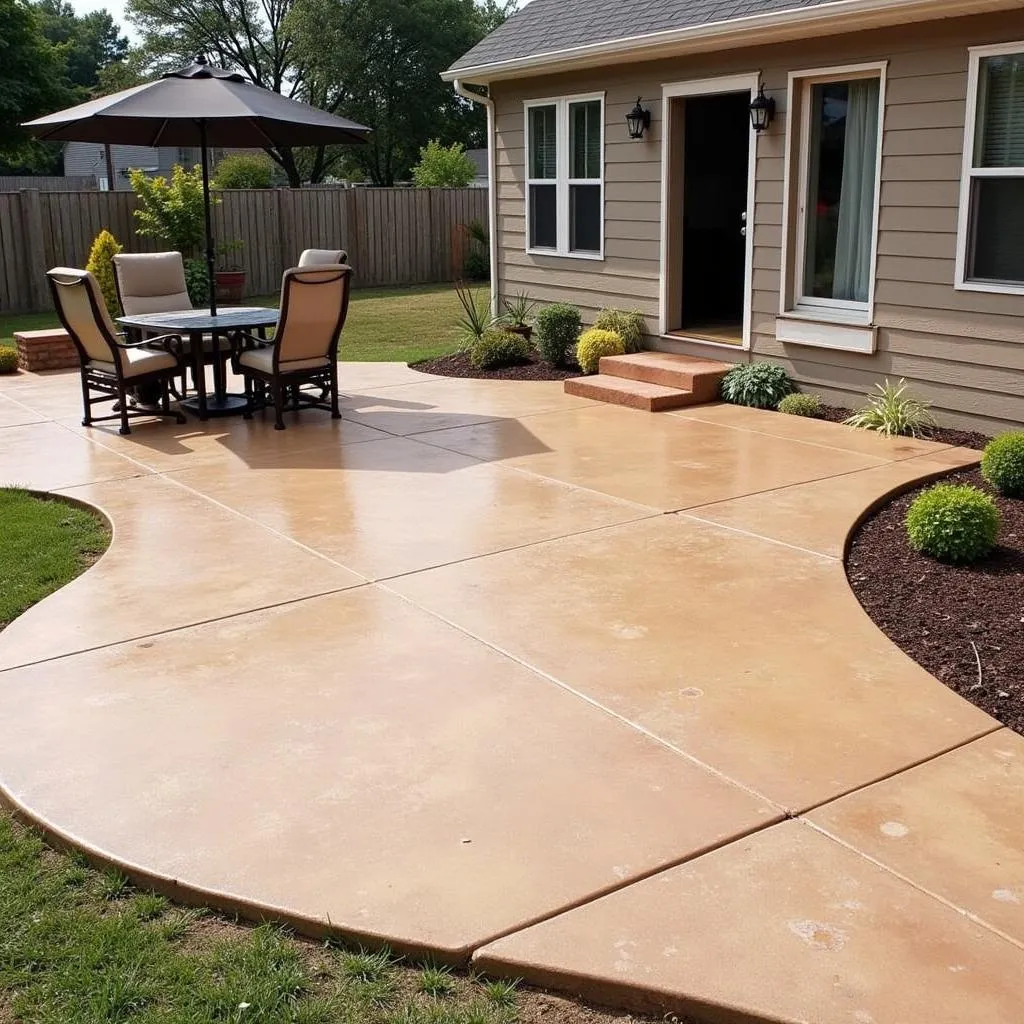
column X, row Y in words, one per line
column 594, row 344
column 8, row 359
column 801, row 405
column 496, row 349
column 629, row 326
column 101, row 266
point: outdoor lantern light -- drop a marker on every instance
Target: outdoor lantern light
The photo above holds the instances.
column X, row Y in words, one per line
column 637, row 120
column 762, row 110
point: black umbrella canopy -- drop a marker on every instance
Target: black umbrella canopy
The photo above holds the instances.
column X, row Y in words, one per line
column 202, row 106
column 173, row 110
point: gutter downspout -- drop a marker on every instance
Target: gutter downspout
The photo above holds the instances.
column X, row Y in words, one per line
column 492, row 184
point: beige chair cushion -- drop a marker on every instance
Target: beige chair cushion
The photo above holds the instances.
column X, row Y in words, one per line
column 95, row 335
column 151, row 282
column 263, row 359
column 137, row 361
column 311, row 303
column 322, row 257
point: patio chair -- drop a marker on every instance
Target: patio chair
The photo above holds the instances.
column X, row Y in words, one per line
column 304, row 352
column 110, row 365
column 154, row 282
column 322, row 257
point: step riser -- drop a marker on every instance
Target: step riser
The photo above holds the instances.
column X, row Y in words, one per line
column 582, row 388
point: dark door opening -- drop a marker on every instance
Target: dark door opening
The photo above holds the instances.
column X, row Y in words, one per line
column 716, row 156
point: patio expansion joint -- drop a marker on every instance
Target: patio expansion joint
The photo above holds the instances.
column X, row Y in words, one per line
column 184, row 627
column 916, row 886
column 939, row 445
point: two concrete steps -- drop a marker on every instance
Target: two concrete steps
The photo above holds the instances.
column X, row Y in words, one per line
column 652, row 381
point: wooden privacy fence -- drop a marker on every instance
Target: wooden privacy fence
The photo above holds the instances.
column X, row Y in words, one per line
column 394, row 237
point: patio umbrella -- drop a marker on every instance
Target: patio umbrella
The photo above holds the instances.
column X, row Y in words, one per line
column 202, row 106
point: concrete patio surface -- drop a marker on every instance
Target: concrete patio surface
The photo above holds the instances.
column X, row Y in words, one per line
column 493, row 673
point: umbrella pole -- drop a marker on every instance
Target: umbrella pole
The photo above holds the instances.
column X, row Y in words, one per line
column 209, row 221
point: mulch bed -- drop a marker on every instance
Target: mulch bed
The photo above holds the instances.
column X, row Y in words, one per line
column 944, row 435
column 951, row 620
column 458, row 365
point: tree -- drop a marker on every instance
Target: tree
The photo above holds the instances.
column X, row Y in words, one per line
column 32, row 83
column 443, row 166
column 244, row 170
column 89, row 42
column 380, row 63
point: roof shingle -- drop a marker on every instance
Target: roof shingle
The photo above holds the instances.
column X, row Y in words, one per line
column 545, row 26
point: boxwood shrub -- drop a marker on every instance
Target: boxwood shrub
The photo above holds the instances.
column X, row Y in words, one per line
column 954, row 523
column 1002, row 465
column 497, row 349
column 557, row 329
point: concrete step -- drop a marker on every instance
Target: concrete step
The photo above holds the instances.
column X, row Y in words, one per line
column 685, row 373
column 635, row 394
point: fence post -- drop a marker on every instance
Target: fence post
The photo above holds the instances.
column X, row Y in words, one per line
column 35, row 247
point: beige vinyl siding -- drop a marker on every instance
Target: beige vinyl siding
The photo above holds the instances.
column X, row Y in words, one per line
column 962, row 350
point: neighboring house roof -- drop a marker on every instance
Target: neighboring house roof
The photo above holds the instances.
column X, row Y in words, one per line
column 479, row 158
column 567, row 32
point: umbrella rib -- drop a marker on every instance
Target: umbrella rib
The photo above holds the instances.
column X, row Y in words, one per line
column 160, row 131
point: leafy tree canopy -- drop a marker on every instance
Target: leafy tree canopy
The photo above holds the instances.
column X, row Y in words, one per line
column 89, row 41
column 32, row 83
column 443, row 166
column 375, row 61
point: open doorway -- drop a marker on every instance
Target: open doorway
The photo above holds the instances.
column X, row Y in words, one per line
column 708, row 196
column 715, row 154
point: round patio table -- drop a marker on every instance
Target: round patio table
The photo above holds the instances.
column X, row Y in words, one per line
column 192, row 324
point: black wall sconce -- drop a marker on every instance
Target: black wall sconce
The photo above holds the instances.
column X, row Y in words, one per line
column 637, row 120
column 762, row 111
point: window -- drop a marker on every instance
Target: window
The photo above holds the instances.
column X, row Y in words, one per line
column 990, row 253
column 838, row 192
column 565, row 177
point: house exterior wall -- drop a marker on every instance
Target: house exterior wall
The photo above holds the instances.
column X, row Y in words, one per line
column 962, row 350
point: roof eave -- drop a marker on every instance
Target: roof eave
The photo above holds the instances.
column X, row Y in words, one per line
column 832, row 18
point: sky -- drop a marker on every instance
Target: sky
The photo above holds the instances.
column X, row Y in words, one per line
column 116, row 8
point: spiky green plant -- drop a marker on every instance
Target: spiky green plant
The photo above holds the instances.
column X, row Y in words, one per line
column 893, row 412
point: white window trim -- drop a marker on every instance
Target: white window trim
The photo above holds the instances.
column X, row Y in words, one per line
column 749, row 82
column 963, row 231
column 796, row 158
column 562, row 181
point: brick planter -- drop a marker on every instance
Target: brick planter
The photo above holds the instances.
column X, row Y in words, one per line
column 46, row 350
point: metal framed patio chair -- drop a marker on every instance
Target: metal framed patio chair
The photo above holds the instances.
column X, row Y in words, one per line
column 111, row 366
column 304, row 352
column 322, row 257
column 154, row 282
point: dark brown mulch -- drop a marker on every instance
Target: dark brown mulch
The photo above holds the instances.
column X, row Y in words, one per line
column 941, row 614
column 944, row 435
column 458, row 365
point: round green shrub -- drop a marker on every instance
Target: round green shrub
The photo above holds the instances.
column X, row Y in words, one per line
column 801, row 405
column 628, row 326
column 758, row 385
column 594, row 344
column 1002, row 465
column 558, row 327
column 953, row 523
column 8, row 359
column 496, row 349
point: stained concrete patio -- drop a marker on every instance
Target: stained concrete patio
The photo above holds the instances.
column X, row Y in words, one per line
column 490, row 672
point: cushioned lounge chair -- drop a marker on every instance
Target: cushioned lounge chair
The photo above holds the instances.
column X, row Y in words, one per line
column 322, row 257
column 304, row 352
column 154, row 282
column 111, row 366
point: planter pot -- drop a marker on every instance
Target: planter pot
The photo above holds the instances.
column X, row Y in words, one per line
column 521, row 329
column 230, row 285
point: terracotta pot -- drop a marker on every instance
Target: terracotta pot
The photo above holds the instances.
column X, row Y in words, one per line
column 230, row 285
column 523, row 329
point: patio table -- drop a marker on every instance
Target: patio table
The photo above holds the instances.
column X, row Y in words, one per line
column 192, row 324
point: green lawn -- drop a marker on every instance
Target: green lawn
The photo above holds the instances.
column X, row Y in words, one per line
column 78, row 946
column 401, row 324
column 43, row 545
